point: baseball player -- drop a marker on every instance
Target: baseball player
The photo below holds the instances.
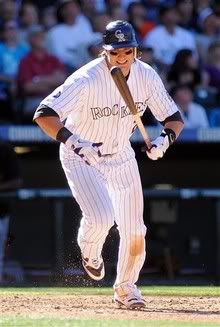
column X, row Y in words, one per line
column 97, row 156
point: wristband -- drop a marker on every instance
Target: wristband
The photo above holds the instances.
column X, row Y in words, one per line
column 170, row 133
column 63, row 135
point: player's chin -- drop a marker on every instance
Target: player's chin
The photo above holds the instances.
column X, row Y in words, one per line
column 125, row 68
column 124, row 65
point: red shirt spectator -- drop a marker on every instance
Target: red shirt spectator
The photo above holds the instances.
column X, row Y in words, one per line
column 34, row 68
column 39, row 72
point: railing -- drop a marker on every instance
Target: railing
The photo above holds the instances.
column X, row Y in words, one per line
column 33, row 134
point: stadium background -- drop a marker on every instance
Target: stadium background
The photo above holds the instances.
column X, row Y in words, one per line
column 182, row 194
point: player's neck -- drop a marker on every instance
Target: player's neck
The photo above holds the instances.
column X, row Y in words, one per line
column 127, row 75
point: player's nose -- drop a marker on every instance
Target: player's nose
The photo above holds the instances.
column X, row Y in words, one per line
column 121, row 55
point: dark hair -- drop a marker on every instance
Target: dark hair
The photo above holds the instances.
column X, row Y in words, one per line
column 181, row 58
column 180, row 67
column 23, row 6
column 130, row 8
column 59, row 8
column 166, row 7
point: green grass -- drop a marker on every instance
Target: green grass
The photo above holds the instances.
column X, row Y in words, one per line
column 45, row 322
column 146, row 290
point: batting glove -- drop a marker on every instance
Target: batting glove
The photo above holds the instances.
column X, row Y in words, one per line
column 161, row 144
column 87, row 150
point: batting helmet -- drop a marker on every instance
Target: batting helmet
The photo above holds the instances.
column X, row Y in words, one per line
column 119, row 34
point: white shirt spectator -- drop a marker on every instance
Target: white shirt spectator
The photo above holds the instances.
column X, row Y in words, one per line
column 166, row 45
column 70, row 42
column 196, row 116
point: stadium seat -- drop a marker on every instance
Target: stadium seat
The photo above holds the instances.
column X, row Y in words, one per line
column 214, row 117
column 205, row 97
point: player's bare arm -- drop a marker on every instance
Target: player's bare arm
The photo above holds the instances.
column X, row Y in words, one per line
column 176, row 126
column 50, row 125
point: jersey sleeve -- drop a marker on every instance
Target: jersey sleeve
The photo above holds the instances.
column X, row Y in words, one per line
column 66, row 98
column 159, row 102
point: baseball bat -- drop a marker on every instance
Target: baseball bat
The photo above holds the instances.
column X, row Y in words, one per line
column 124, row 90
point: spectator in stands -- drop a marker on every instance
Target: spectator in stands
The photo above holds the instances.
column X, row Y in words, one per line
column 201, row 4
column 71, row 38
column 11, row 53
column 209, row 31
column 168, row 38
column 113, row 3
column 193, row 114
column 137, row 17
column 28, row 17
column 147, row 56
column 152, row 7
column 39, row 72
column 185, row 70
column 10, row 176
column 126, row 3
column 115, row 9
column 117, row 12
column 187, row 13
column 48, row 17
column 216, row 7
column 8, row 11
column 99, row 21
column 212, row 65
column 88, row 8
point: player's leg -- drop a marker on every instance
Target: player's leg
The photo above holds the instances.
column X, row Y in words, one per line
column 89, row 189
column 127, row 199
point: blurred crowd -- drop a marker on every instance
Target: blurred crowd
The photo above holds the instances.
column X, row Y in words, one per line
column 42, row 42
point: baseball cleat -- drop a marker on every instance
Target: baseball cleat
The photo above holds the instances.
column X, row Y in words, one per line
column 95, row 268
column 129, row 297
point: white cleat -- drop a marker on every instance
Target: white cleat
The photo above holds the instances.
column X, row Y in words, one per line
column 129, row 297
column 94, row 267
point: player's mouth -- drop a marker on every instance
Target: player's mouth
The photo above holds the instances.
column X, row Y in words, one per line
column 122, row 63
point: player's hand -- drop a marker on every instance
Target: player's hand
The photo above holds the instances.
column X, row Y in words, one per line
column 161, row 144
column 159, row 147
column 87, row 150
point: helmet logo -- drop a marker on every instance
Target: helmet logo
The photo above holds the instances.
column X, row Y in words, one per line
column 120, row 36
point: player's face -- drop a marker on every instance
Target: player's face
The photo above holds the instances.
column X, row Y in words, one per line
column 122, row 58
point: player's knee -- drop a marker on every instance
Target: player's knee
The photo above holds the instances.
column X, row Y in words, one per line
column 137, row 245
column 136, row 240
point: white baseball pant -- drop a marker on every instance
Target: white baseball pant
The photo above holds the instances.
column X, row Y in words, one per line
column 107, row 192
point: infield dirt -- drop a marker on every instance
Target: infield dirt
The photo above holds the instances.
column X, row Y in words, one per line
column 182, row 308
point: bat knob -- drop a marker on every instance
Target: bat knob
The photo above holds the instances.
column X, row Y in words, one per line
column 114, row 70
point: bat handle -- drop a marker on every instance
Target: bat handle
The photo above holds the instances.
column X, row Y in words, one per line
column 141, row 127
column 148, row 145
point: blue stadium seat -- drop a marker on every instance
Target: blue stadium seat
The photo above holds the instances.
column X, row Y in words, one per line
column 205, row 97
column 214, row 117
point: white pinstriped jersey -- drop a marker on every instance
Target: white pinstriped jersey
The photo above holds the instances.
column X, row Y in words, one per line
column 93, row 108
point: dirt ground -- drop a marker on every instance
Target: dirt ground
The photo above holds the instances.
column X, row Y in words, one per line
column 101, row 307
